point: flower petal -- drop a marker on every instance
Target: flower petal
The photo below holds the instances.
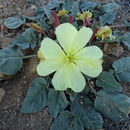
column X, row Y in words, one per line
column 90, row 67
column 89, row 52
column 72, row 40
column 50, row 49
column 54, row 57
column 68, row 76
column 82, row 38
column 66, row 34
column 47, row 67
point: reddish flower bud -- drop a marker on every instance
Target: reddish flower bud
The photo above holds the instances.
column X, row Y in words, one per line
column 87, row 22
column 94, row 33
column 56, row 18
column 71, row 20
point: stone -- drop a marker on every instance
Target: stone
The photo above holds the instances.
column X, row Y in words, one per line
column 2, row 94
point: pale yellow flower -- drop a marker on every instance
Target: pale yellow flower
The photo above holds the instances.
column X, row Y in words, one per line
column 84, row 15
column 40, row 55
column 62, row 12
column 70, row 58
column 104, row 33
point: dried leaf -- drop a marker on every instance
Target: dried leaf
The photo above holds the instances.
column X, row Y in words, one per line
column 29, row 12
column 36, row 27
column 2, row 6
column 113, row 49
column 5, row 40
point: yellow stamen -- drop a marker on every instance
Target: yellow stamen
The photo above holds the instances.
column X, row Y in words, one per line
column 69, row 58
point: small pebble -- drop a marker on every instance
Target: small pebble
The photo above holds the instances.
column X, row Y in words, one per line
column 2, row 94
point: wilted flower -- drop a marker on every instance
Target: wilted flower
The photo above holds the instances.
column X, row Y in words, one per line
column 104, row 33
column 62, row 12
column 85, row 15
column 70, row 58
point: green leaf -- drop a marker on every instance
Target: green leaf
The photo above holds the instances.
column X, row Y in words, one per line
column 89, row 118
column 27, row 39
column 66, row 121
column 71, row 94
column 57, row 102
column 128, row 24
column 13, row 23
column 113, row 106
column 122, row 69
column 118, row 36
column 107, row 81
column 48, row 14
column 67, row 4
column 36, row 98
column 75, row 9
column 44, row 25
column 109, row 13
column 126, row 39
column 34, row 18
column 10, row 60
column 54, row 4
column 64, row 19
column 108, row 18
column 75, row 24
column 40, row 11
column 88, row 5
column 110, row 7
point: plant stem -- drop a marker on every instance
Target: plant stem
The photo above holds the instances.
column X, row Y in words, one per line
column 110, row 41
column 91, row 86
column 29, row 56
column 21, row 57
column 119, row 26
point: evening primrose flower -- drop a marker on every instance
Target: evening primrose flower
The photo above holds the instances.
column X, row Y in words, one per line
column 70, row 58
column 62, row 12
column 40, row 55
column 84, row 15
column 104, row 33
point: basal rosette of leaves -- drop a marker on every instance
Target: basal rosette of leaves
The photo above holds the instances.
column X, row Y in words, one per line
column 69, row 38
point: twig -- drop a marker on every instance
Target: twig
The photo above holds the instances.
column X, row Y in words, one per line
column 91, row 86
column 29, row 56
column 21, row 57
column 119, row 26
column 106, row 41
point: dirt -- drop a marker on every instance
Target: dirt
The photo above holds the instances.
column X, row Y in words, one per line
column 16, row 87
column 10, row 117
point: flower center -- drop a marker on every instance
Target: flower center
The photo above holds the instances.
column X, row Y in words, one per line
column 69, row 58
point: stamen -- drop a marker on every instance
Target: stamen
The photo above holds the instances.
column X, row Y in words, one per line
column 70, row 58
